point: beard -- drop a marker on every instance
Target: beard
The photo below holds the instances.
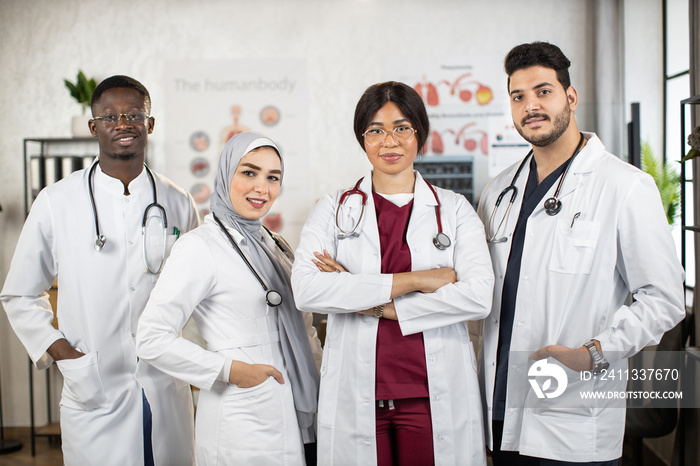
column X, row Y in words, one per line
column 125, row 155
column 561, row 124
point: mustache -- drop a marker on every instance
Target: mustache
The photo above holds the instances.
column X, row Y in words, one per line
column 532, row 117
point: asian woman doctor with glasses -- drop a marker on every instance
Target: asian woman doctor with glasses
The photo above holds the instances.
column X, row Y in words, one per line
column 399, row 266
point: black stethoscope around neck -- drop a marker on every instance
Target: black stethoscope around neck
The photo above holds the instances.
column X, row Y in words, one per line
column 552, row 206
column 101, row 240
column 272, row 297
column 441, row 241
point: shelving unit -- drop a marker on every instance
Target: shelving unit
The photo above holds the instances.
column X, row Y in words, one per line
column 451, row 172
column 47, row 160
column 692, row 353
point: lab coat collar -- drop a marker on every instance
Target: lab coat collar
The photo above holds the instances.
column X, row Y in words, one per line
column 235, row 234
column 423, row 194
column 589, row 157
column 585, row 162
column 115, row 186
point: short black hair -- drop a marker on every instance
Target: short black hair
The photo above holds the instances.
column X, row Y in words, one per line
column 538, row 54
column 121, row 82
column 405, row 97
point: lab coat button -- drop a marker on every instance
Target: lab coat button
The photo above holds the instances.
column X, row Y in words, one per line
column 126, row 199
column 131, row 242
column 133, row 335
column 433, row 359
column 416, row 250
column 525, row 277
column 440, row 436
column 133, row 289
column 436, row 398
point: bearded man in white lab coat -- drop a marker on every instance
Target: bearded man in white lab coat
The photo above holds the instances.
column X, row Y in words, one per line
column 87, row 230
column 581, row 232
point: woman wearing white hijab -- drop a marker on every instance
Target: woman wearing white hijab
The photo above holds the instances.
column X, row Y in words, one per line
column 257, row 375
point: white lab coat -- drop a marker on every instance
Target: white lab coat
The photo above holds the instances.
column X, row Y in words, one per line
column 100, row 298
column 205, row 277
column 575, row 280
column 346, row 419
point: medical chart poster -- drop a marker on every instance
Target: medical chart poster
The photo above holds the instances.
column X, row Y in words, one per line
column 463, row 97
column 210, row 101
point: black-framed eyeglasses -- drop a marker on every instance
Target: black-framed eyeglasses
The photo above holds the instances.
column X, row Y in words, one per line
column 377, row 136
column 131, row 118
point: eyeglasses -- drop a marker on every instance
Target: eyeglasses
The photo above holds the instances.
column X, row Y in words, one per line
column 377, row 136
column 131, row 118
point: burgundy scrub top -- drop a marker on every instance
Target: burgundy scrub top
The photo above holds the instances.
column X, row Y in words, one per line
column 401, row 371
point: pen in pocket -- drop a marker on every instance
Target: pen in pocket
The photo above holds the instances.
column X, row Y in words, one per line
column 576, row 215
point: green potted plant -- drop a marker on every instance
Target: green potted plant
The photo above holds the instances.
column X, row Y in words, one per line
column 667, row 181
column 81, row 90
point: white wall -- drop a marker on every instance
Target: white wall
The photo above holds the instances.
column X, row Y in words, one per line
column 343, row 41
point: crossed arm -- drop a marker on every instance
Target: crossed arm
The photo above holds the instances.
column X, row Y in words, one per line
column 426, row 281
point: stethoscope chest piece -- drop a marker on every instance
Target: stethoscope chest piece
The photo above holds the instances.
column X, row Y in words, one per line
column 100, row 242
column 442, row 241
column 273, row 298
column 552, row 206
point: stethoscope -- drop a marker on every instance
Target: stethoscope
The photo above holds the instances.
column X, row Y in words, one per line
column 272, row 297
column 101, row 239
column 441, row 240
column 552, row 206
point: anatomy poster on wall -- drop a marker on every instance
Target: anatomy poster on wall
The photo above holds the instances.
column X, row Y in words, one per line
column 210, row 101
column 463, row 95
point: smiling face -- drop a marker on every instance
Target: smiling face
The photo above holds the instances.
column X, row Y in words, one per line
column 391, row 157
column 540, row 106
column 122, row 140
column 256, row 183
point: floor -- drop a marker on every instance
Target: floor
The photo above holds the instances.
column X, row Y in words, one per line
column 48, row 451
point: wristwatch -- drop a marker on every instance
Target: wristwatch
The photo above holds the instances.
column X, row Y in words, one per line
column 599, row 362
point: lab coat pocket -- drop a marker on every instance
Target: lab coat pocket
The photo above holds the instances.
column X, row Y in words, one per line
column 467, row 345
column 156, row 254
column 574, row 245
column 82, row 385
column 330, row 382
column 252, row 418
